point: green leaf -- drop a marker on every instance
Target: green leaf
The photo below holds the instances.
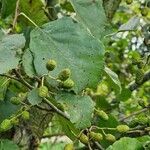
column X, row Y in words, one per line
column 91, row 13
column 126, row 143
column 8, row 51
column 131, row 25
column 124, row 95
column 69, row 44
column 75, row 106
column 33, row 97
column 27, row 61
column 34, row 10
column 3, row 87
column 113, row 77
column 7, row 145
column 143, row 139
column 8, row 7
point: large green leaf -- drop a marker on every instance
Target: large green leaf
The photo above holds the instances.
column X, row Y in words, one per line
column 79, row 108
column 91, row 13
column 8, row 51
column 34, row 10
column 7, row 145
column 27, row 61
column 8, row 7
column 72, row 47
column 33, row 97
column 113, row 78
column 126, row 144
column 3, row 87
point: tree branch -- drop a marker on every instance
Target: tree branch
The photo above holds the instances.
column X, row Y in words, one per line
column 135, row 113
column 133, row 86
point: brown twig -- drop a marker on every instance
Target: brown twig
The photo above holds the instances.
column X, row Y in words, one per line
column 22, row 80
column 53, row 135
column 55, row 108
column 16, row 13
column 135, row 113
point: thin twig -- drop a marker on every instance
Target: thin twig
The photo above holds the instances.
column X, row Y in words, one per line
column 56, row 109
column 53, row 135
column 135, row 113
column 23, row 81
column 99, row 146
column 10, row 77
column 16, row 13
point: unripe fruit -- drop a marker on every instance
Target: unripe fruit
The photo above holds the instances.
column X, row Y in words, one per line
column 51, row 64
column 22, row 96
column 89, row 92
column 43, row 91
column 15, row 100
column 142, row 103
column 14, row 121
column 68, row 84
column 102, row 114
column 110, row 137
column 122, row 128
column 69, row 147
column 144, row 11
column 25, row 115
column 139, row 76
column 96, row 136
column 64, row 74
column 129, row 2
column 5, row 125
column 83, row 138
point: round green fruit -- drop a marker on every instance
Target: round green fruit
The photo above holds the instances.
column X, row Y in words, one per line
column 110, row 137
column 83, row 138
column 139, row 76
column 25, row 115
column 64, row 74
column 5, row 125
column 14, row 121
column 96, row 136
column 69, row 147
column 144, row 11
column 15, row 100
column 51, row 64
column 102, row 114
column 43, row 91
column 129, row 2
column 122, row 128
column 68, row 84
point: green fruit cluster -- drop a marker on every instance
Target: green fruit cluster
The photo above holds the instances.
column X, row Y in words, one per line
column 96, row 136
column 110, row 137
column 83, row 138
column 129, row 2
column 25, row 115
column 51, row 64
column 144, row 11
column 15, row 100
column 64, row 74
column 122, row 128
column 139, row 76
column 69, row 146
column 5, row 125
column 68, row 84
column 43, row 91
column 102, row 114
